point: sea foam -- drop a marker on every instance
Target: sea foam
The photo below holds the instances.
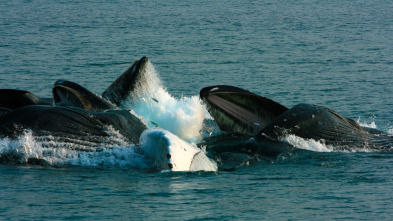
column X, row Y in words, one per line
column 307, row 144
column 181, row 116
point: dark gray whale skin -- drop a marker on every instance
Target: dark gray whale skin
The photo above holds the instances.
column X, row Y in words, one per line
column 68, row 93
column 71, row 122
column 74, row 113
column 238, row 111
column 12, row 99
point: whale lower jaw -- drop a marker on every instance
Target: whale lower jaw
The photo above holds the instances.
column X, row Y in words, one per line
column 71, row 122
column 169, row 153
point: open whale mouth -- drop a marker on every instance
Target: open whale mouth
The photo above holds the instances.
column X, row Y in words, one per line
column 239, row 111
column 68, row 93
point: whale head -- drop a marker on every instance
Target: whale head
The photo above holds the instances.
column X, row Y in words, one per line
column 236, row 110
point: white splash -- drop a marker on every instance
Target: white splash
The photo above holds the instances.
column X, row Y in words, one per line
column 373, row 125
column 319, row 146
column 369, row 125
column 26, row 148
column 307, row 144
column 390, row 131
column 183, row 117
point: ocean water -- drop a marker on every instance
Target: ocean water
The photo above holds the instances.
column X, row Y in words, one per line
column 332, row 53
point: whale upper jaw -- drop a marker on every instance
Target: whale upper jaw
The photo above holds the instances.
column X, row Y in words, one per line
column 128, row 82
column 239, row 111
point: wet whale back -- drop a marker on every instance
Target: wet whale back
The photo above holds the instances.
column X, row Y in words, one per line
column 130, row 126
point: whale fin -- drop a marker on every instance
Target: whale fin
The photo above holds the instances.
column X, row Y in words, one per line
column 239, row 111
column 123, row 86
column 13, row 99
column 67, row 93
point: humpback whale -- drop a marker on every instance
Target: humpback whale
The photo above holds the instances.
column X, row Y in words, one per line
column 240, row 112
column 74, row 113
